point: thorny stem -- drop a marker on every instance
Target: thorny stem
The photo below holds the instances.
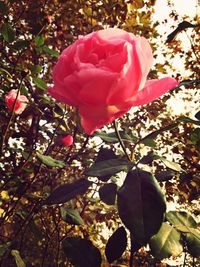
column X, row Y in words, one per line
column 120, row 140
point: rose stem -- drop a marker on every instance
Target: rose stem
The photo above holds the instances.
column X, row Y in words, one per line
column 120, row 140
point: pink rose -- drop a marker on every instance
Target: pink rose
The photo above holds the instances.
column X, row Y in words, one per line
column 104, row 74
column 20, row 103
column 67, row 140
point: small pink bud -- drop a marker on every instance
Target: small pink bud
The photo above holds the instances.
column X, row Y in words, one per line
column 49, row 19
column 20, row 103
column 67, row 140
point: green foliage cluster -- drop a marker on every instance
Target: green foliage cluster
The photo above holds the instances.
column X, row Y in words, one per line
column 57, row 202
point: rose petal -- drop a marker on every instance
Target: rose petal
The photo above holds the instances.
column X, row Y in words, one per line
column 145, row 56
column 96, row 85
column 94, row 117
column 129, row 80
column 153, row 89
column 113, row 35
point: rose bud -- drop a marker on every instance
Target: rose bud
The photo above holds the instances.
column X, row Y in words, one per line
column 67, row 140
column 19, row 104
column 104, row 74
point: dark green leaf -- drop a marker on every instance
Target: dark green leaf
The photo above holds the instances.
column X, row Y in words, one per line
column 65, row 192
column 148, row 158
column 40, row 83
column 109, row 167
column 148, row 138
column 116, row 245
column 108, row 193
column 166, row 243
column 4, row 247
column 58, row 110
column 51, row 52
column 39, row 40
column 105, row 154
column 193, row 243
column 186, row 176
column 197, row 115
column 165, row 175
column 3, row 8
column 81, row 252
column 20, row 45
column 141, row 205
column 186, row 119
column 135, row 246
column 8, row 33
column 35, row 230
column 71, row 216
column 112, row 138
column 49, row 161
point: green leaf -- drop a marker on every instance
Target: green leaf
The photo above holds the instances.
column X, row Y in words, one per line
column 81, row 252
column 109, row 167
column 193, row 243
column 108, row 193
column 18, row 259
column 116, row 245
column 49, row 161
column 148, row 142
column 3, row 72
column 164, row 175
column 3, row 8
column 39, row 40
column 8, row 33
column 112, row 138
column 65, row 192
column 186, row 224
column 36, row 69
column 171, row 165
column 195, row 136
column 71, row 216
column 40, row 83
column 166, row 243
column 51, row 52
column 141, row 205
column 181, row 220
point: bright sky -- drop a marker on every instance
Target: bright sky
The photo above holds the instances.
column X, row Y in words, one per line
column 182, row 7
column 189, row 8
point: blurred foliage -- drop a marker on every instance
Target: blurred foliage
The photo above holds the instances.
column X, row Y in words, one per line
column 43, row 200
